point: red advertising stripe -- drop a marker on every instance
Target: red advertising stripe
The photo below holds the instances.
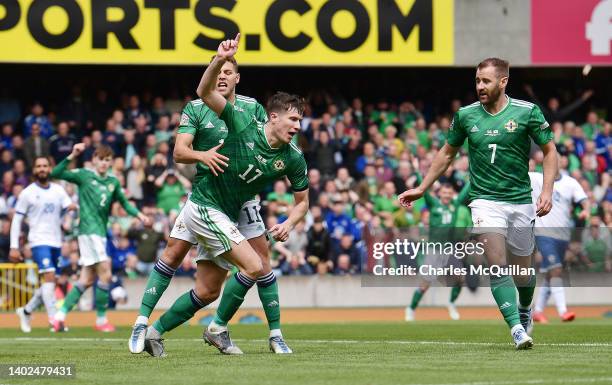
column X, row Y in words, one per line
column 571, row 32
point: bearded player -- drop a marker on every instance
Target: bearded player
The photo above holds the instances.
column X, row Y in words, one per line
column 499, row 130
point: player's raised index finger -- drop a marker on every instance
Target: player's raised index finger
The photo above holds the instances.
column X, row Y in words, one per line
column 237, row 38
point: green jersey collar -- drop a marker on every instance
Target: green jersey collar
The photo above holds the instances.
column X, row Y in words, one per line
column 500, row 111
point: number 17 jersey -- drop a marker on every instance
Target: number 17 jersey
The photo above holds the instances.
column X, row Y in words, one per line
column 498, row 148
column 253, row 165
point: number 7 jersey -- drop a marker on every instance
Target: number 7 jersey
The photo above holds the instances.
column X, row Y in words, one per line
column 253, row 165
column 498, row 148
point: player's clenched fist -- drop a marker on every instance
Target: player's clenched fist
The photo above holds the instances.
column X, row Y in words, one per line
column 15, row 256
column 280, row 232
column 77, row 149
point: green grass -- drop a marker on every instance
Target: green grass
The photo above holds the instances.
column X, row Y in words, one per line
column 475, row 353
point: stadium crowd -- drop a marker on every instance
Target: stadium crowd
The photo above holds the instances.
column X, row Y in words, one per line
column 360, row 156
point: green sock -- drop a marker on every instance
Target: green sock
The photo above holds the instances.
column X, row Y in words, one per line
column 504, row 292
column 72, row 298
column 455, row 293
column 182, row 310
column 416, row 298
column 267, row 287
column 525, row 292
column 102, row 291
column 233, row 295
column 158, row 281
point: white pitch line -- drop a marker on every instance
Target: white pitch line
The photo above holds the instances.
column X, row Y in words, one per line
column 392, row 342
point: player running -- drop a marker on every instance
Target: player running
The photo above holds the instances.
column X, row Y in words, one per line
column 199, row 136
column 259, row 154
column 98, row 189
column 499, row 130
column 43, row 203
column 553, row 233
column 443, row 211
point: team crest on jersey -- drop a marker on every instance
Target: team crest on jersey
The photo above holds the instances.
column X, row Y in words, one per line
column 184, row 120
column 511, row 125
column 279, row 165
column 111, row 187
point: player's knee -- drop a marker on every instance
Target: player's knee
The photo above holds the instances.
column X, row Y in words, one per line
column 265, row 265
column 254, row 269
column 174, row 253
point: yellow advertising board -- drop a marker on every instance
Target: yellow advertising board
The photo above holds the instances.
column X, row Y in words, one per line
column 274, row 32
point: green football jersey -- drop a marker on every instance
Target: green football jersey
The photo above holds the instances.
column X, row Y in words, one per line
column 206, row 127
column 498, row 148
column 253, row 165
column 96, row 195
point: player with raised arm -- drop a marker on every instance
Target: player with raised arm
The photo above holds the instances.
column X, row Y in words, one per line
column 443, row 211
column 200, row 135
column 43, row 203
column 260, row 153
column 98, row 189
column 553, row 234
column 499, row 130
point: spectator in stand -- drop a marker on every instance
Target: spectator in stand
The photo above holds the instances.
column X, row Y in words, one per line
column 346, row 247
column 172, row 186
column 314, row 189
column 35, row 146
column 159, row 109
column 368, row 157
column 164, row 132
column 318, row 248
column 552, row 110
column 338, row 223
column 134, row 179
column 148, row 242
column 111, row 137
column 158, row 166
column 37, row 116
column 344, row 266
column 6, row 161
column 20, row 171
column 6, row 136
column 60, row 144
column 135, row 110
column 17, row 146
column 603, row 144
column 324, row 150
column 596, row 247
column 75, row 111
column 592, row 126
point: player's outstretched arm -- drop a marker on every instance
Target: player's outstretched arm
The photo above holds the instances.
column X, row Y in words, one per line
column 544, row 203
column 61, row 170
column 184, row 153
column 443, row 159
column 206, row 89
column 280, row 231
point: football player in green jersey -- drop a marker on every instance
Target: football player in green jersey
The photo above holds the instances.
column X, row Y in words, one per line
column 259, row 153
column 98, row 189
column 443, row 211
column 199, row 136
column 499, row 130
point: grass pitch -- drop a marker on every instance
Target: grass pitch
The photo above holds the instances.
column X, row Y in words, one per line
column 464, row 352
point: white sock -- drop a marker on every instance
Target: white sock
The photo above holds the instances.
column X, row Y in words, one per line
column 142, row 320
column 35, row 301
column 60, row 316
column 213, row 327
column 543, row 295
column 48, row 297
column 558, row 293
column 152, row 333
column 101, row 320
column 275, row 333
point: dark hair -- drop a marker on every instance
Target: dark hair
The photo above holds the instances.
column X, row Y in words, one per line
column 231, row 60
column 502, row 67
column 282, row 102
column 103, row 151
column 42, row 157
